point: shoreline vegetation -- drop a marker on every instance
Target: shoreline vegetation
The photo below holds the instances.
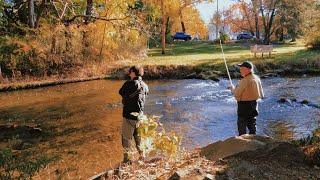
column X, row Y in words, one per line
column 196, row 60
column 44, row 83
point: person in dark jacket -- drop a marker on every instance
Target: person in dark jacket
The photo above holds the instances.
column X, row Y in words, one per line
column 133, row 92
column 247, row 92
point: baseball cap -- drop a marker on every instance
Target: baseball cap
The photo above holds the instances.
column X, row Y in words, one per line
column 246, row 64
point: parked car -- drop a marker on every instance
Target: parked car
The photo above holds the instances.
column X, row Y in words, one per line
column 181, row 36
column 244, row 36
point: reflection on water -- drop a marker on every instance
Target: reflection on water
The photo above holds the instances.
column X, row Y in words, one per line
column 75, row 125
column 81, row 122
column 279, row 129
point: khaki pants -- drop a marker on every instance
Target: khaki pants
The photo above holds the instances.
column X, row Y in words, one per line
column 130, row 133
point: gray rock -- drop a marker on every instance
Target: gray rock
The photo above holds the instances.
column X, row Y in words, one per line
column 192, row 76
column 268, row 75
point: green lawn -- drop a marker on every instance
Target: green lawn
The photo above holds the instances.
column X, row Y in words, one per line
column 207, row 53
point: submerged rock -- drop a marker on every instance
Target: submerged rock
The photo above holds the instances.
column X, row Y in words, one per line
column 268, row 75
column 192, row 76
column 284, row 100
column 304, row 102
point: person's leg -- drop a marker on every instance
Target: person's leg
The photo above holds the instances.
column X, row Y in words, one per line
column 242, row 125
column 137, row 140
column 126, row 137
column 252, row 125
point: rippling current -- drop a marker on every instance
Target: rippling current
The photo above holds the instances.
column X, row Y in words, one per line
column 205, row 111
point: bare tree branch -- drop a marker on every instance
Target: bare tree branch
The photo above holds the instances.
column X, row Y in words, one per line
column 64, row 9
column 103, row 18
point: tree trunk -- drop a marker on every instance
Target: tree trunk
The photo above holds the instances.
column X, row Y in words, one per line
column 102, row 41
column 88, row 11
column 267, row 24
column 281, row 38
column 168, row 31
column 85, row 34
column 257, row 25
column 39, row 13
column 1, row 78
column 183, row 28
column 256, row 17
column 31, row 18
column 68, row 37
column 53, row 44
column 163, row 28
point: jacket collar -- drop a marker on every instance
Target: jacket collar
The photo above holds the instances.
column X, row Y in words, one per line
column 248, row 75
column 137, row 78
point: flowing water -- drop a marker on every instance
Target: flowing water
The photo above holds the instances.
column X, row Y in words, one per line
column 81, row 122
column 205, row 111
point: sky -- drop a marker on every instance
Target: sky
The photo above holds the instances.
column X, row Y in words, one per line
column 207, row 9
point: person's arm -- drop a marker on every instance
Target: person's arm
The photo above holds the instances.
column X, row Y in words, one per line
column 239, row 89
column 146, row 89
column 123, row 89
column 129, row 89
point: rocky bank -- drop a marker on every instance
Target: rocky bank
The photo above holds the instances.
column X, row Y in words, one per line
column 242, row 157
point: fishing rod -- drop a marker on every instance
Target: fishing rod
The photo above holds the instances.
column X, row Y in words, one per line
column 225, row 61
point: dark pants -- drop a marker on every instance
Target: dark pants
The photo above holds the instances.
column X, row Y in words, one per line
column 244, row 123
column 247, row 113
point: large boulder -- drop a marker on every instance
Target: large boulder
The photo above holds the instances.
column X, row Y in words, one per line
column 234, row 145
column 259, row 157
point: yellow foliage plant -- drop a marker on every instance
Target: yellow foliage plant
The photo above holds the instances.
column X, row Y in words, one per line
column 154, row 139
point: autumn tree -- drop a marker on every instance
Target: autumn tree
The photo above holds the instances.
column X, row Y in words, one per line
column 193, row 22
column 67, row 36
column 311, row 25
column 167, row 8
column 240, row 16
column 184, row 5
column 268, row 10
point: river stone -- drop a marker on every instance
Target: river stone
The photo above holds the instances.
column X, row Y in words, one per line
column 234, row 145
column 192, row 76
column 268, row 75
column 284, row 100
column 214, row 78
column 305, row 102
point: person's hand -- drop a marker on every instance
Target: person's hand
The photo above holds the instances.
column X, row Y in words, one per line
column 231, row 87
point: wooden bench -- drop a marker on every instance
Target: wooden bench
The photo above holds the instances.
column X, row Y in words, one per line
column 261, row 49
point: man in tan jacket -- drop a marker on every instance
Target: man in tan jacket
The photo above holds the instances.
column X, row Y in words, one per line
column 247, row 92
